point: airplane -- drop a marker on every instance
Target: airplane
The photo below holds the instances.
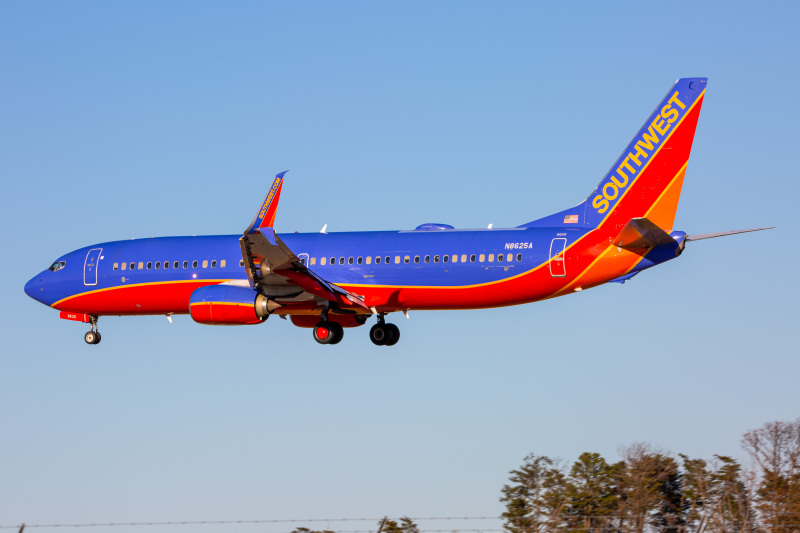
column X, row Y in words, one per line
column 331, row 281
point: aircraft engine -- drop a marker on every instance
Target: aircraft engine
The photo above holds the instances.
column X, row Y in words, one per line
column 229, row 305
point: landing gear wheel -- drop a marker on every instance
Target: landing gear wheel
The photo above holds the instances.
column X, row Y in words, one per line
column 377, row 335
column 338, row 332
column 91, row 337
column 325, row 332
column 393, row 334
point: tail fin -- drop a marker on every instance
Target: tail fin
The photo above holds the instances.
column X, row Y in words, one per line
column 646, row 179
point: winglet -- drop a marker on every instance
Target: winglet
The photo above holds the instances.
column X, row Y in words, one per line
column 265, row 218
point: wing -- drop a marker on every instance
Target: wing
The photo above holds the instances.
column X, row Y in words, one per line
column 276, row 271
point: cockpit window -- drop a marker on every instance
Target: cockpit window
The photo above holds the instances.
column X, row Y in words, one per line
column 58, row 265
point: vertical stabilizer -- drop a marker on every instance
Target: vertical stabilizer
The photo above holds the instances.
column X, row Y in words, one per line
column 646, row 179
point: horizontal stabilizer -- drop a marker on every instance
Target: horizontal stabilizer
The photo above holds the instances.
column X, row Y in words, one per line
column 701, row 236
column 641, row 233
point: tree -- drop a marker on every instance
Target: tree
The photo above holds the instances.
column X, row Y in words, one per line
column 592, row 491
column 536, row 497
column 406, row 525
column 716, row 496
column 775, row 447
column 650, row 489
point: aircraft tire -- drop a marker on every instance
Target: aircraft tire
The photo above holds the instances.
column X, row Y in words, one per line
column 393, row 334
column 97, row 337
column 91, row 337
column 377, row 334
column 338, row 332
column 324, row 332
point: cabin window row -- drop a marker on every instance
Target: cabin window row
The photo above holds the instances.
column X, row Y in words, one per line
column 455, row 258
column 141, row 265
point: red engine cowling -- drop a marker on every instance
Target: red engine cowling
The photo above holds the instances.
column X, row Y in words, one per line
column 346, row 321
column 228, row 305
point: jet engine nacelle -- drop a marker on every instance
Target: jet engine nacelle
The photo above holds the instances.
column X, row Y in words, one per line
column 229, row 305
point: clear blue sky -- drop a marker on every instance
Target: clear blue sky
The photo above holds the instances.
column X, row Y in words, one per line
column 122, row 120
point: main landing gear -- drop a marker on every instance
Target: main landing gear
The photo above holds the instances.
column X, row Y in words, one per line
column 326, row 332
column 92, row 336
column 383, row 334
column 330, row 332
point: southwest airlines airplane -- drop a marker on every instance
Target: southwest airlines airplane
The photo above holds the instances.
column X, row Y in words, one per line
column 330, row 281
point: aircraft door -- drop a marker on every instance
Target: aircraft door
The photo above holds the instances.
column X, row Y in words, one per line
column 303, row 259
column 557, row 267
column 90, row 266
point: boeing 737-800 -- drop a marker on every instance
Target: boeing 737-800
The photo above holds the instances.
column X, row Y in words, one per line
column 330, row 281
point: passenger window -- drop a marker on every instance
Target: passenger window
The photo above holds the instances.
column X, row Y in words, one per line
column 397, row 260
column 510, row 257
column 500, row 258
column 333, row 260
column 158, row 265
column 186, row 264
column 141, row 265
column 406, row 259
column 491, row 258
column 176, row 264
column 463, row 258
column 323, row 260
column 133, row 265
column 350, row 261
column 341, row 260
column 241, row 262
column 124, row 266
column 194, row 264
column 313, row 261
column 427, row 259
column 116, row 266
column 213, row 263
column 377, row 260
column 435, row 258
column 360, row 260
column 222, row 263
column 416, row 259
column 519, row 257
column 369, row 259
column 149, row 265
column 482, row 258
column 303, row 261
column 205, row 263
column 166, row 264
column 472, row 258
column 388, row 259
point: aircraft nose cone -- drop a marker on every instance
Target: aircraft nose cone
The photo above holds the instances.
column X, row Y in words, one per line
column 33, row 288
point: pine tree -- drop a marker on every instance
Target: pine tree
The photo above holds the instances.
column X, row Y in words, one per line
column 591, row 492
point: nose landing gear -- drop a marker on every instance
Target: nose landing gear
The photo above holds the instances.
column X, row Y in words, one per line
column 92, row 336
column 383, row 334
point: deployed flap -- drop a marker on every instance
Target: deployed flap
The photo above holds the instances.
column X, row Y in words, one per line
column 641, row 233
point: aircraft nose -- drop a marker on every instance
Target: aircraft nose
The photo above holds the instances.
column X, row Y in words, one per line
column 33, row 287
